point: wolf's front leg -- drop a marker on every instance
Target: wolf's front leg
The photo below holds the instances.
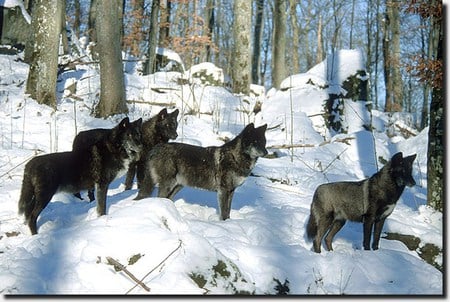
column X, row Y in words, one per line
column 225, row 197
column 377, row 233
column 101, row 191
column 368, row 226
column 130, row 176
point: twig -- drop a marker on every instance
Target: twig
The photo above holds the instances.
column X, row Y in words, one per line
column 287, row 146
column 18, row 165
column 164, row 260
column 120, row 267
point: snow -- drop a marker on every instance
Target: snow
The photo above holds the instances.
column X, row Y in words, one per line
column 173, row 240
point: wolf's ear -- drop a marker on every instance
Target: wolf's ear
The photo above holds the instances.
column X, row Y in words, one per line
column 410, row 158
column 397, row 158
column 263, row 128
column 162, row 114
column 250, row 126
column 124, row 123
column 175, row 112
column 138, row 122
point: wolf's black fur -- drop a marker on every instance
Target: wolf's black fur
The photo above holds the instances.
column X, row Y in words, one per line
column 220, row 169
column 369, row 201
column 158, row 129
column 95, row 166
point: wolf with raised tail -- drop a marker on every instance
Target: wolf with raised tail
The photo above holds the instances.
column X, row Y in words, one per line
column 218, row 168
column 369, row 201
column 95, row 166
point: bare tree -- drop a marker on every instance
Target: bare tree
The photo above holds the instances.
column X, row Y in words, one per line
column 149, row 66
column 164, row 24
column 391, row 53
column 257, row 37
column 112, row 85
column 241, row 61
column 92, row 32
column 279, row 43
column 295, row 65
column 41, row 82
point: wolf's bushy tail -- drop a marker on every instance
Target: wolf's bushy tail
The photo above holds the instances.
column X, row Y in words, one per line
column 27, row 198
column 311, row 228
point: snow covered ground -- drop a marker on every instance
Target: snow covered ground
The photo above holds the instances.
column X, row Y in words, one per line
column 181, row 247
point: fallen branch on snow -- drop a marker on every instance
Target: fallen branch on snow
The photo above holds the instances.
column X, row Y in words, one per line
column 120, row 267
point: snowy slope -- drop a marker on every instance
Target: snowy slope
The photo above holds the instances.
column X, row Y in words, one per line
column 181, row 247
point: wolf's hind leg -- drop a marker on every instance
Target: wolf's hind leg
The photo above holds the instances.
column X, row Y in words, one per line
column 101, row 191
column 335, row 227
column 323, row 224
column 145, row 186
column 169, row 189
column 41, row 201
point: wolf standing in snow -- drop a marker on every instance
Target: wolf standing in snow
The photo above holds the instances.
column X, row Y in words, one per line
column 369, row 201
column 96, row 166
column 158, row 129
column 220, row 169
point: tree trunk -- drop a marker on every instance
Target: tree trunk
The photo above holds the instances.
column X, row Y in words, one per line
column 257, row 40
column 112, row 85
column 295, row 67
column 319, row 56
column 279, row 43
column 41, row 83
column 210, row 28
column 149, row 66
column 92, row 31
column 136, row 36
column 164, row 25
column 241, row 61
column 391, row 52
column 436, row 144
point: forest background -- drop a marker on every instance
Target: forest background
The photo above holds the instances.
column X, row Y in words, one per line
column 255, row 42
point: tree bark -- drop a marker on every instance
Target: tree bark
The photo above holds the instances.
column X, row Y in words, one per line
column 279, row 43
column 257, row 40
column 149, row 66
column 241, row 61
column 112, row 85
column 391, row 52
column 41, row 82
column 436, row 144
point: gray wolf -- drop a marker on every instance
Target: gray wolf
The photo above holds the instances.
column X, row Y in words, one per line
column 369, row 201
column 95, row 166
column 221, row 169
column 158, row 129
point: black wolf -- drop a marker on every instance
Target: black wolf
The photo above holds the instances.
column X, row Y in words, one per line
column 220, row 169
column 158, row 129
column 369, row 201
column 96, row 166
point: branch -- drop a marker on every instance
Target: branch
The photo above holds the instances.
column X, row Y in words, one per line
column 164, row 260
column 120, row 267
column 289, row 146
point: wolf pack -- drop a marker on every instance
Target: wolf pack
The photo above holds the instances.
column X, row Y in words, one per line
column 141, row 150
